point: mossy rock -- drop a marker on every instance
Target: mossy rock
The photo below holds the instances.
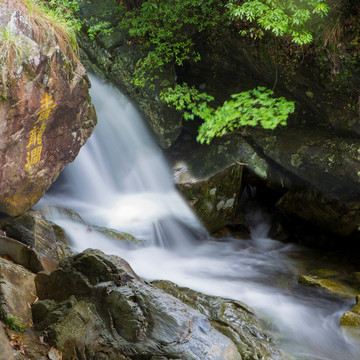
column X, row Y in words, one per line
column 330, row 286
column 351, row 318
column 116, row 235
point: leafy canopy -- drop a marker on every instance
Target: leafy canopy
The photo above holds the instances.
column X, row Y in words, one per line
column 169, row 32
column 166, row 30
column 282, row 17
column 248, row 108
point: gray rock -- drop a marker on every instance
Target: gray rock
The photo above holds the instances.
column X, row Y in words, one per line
column 232, row 318
column 17, row 293
column 5, row 349
column 94, row 296
column 215, row 200
column 44, row 243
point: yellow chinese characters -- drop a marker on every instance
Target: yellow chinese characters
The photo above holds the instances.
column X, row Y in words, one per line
column 33, row 156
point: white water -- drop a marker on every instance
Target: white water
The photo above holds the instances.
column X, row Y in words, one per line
column 121, row 181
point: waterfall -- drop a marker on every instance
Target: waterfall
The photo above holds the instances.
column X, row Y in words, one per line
column 120, row 180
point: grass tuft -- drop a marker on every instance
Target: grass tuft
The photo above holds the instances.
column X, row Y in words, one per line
column 46, row 22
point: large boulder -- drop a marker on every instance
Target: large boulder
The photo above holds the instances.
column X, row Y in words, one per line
column 313, row 174
column 46, row 113
column 95, row 306
column 231, row 317
column 215, row 200
column 324, row 172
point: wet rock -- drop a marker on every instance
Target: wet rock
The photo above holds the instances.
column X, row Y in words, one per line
column 45, row 110
column 232, row 318
column 330, row 286
column 43, row 242
column 95, row 304
column 116, row 234
column 352, row 318
column 17, row 293
column 215, row 200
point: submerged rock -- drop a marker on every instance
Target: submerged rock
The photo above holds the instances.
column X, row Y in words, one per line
column 94, row 305
column 46, row 113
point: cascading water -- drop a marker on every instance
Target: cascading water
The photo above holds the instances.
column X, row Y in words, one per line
column 121, row 181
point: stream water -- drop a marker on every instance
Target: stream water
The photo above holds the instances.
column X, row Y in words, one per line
column 121, row 181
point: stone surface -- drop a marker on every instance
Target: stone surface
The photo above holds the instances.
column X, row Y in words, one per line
column 43, row 240
column 325, row 212
column 215, row 200
column 352, row 318
column 17, row 293
column 95, row 304
column 232, row 318
column 20, row 254
column 5, row 349
column 46, row 113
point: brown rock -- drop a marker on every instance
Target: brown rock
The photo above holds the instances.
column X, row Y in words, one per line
column 46, row 113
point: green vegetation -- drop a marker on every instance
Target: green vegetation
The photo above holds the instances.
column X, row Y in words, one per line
column 9, row 50
column 47, row 19
column 11, row 324
column 280, row 17
column 169, row 33
column 248, row 108
column 167, row 29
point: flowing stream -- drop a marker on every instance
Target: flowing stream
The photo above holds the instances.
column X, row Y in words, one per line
column 121, row 181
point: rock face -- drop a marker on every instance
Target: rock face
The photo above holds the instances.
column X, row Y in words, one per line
column 95, row 306
column 232, row 318
column 5, row 349
column 17, row 293
column 33, row 242
column 46, row 113
column 215, row 199
column 34, row 246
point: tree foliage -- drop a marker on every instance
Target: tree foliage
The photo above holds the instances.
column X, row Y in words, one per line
column 166, row 29
column 169, row 31
column 248, row 108
column 281, row 17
